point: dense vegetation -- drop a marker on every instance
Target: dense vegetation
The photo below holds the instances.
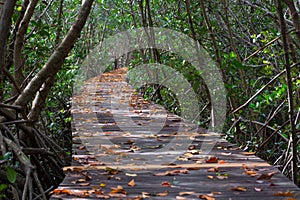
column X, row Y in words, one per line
column 256, row 45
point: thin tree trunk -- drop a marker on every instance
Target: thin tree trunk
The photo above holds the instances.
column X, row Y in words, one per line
column 293, row 134
column 5, row 23
column 234, row 48
column 19, row 61
column 55, row 62
column 295, row 17
column 219, row 61
column 59, row 21
column 136, row 27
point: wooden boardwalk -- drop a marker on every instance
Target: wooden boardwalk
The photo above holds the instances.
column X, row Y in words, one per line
column 117, row 156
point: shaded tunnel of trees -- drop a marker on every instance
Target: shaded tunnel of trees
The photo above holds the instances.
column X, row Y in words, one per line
column 255, row 44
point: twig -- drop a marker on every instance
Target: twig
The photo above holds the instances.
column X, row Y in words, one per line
column 278, row 109
column 26, row 185
column 202, row 110
column 46, row 191
column 16, row 122
column 263, row 88
column 37, row 151
column 10, row 106
column 37, row 181
column 269, row 138
column 259, row 123
column 9, row 133
column 283, row 30
column 266, row 45
column 234, row 124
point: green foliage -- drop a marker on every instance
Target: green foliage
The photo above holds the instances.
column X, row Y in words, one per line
column 11, row 174
column 3, row 188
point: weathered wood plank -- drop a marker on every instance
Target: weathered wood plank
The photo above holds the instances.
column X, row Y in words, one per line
column 122, row 132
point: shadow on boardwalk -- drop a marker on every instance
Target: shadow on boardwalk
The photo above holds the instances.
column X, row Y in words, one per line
column 116, row 156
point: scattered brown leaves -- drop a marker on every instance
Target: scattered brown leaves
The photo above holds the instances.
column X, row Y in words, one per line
column 173, row 172
column 285, row 194
column 212, row 159
column 61, row 191
column 77, row 193
column 118, row 190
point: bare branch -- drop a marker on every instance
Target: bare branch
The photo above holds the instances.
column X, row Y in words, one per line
column 263, row 88
column 19, row 41
column 57, row 59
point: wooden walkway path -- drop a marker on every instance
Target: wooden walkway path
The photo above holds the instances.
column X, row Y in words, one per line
column 117, row 156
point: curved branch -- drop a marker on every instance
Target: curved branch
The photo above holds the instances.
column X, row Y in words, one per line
column 55, row 62
column 18, row 45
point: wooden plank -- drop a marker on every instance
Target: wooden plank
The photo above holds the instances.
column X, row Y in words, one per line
column 234, row 175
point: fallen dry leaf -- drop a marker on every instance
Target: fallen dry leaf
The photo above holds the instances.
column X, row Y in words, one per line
column 131, row 183
column 163, row 194
column 84, row 184
column 248, row 153
column 98, row 192
column 242, row 189
column 102, row 185
column 285, row 194
column 210, row 177
column 61, row 191
column 222, row 162
column 212, row 159
column 111, row 171
column 202, row 196
column 214, row 169
column 81, row 148
column 246, row 167
column 118, row 190
column 79, row 181
column 145, row 195
column 166, row 184
column 251, row 173
column 88, row 178
column 266, row 176
column 80, row 193
column 216, row 193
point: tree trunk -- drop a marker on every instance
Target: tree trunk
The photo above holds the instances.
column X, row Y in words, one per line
column 55, row 62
